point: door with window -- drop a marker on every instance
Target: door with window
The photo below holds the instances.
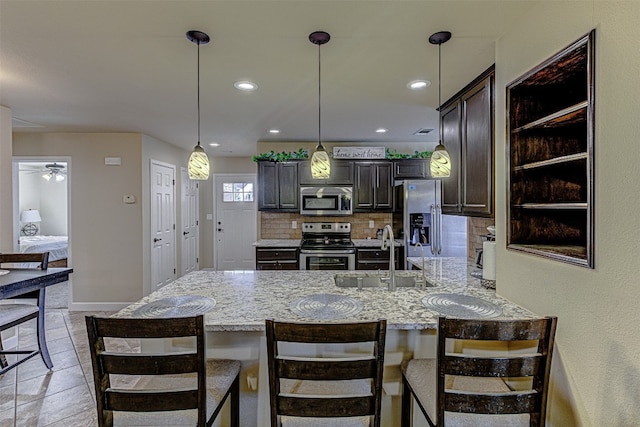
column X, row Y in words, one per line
column 235, row 221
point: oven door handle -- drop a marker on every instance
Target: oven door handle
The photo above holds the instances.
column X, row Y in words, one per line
column 328, row 252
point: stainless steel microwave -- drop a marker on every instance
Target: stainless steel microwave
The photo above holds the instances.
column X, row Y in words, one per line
column 326, row 201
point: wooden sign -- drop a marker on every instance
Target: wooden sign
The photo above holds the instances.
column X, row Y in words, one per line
column 359, row 153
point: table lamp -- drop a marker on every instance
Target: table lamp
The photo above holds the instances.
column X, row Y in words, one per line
column 29, row 217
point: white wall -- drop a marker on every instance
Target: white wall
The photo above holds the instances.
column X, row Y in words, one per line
column 6, row 180
column 596, row 368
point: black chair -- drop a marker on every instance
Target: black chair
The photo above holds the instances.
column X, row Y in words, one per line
column 175, row 388
column 14, row 314
column 309, row 390
column 499, row 388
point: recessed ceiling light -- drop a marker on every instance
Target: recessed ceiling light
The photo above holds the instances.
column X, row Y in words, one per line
column 214, row 144
column 274, row 130
column 381, row 130
column 245, row 85
column 418, row 84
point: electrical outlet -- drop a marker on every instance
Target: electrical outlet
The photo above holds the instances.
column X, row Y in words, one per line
column 371, row 224
column 294, row 224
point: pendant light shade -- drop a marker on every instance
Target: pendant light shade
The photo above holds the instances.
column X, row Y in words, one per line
column 440, row 164
column 198, row 161
column 320, row 163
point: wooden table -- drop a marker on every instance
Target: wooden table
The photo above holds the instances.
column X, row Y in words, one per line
column 20, row 282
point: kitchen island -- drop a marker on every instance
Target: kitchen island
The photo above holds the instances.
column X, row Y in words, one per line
column 244, row 299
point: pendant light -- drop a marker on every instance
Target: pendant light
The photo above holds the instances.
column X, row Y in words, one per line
column 440, row 164
column 198, row 161
column 320, row 164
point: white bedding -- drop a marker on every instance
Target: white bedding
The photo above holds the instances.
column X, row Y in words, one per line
column 55, row 245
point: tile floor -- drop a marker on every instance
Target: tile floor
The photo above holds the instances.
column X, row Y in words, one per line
column 31, row 395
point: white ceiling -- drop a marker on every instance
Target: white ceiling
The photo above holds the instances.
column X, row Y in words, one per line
column 126, row 66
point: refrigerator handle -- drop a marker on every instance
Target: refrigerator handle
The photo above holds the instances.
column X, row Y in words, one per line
column 439, row 230
column 432, row 231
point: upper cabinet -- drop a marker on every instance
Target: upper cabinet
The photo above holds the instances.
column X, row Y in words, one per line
column 341, row 173
column 467, row 133
column 278, row 186
column 373, row 186
column 550, row 157
column 411, row 169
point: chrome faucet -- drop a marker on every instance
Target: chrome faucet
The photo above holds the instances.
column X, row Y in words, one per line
column 424, row 279
column 388, row 242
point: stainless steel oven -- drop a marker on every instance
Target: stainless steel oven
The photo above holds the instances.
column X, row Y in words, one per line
column 327, row 246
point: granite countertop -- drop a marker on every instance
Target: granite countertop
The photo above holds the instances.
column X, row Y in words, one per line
column 244, row 299
column 372, row 243
column 294, row 243
column 277, row 243
column 449, row 270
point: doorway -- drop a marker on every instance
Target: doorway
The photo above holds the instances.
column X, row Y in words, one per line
column 41, row 220
column 235, row 227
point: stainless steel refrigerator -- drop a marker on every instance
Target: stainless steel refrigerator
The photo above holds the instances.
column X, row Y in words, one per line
column 418, row 218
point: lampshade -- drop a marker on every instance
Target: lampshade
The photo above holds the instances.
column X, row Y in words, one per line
column 198, row 161
column 198, row 164
column 320, row 163
column 31, row 215
column 440, row 163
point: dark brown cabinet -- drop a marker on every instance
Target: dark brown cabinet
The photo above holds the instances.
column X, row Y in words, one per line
column 341, row 173
column 277, row 259
column 373, row 186
column 411, row 169
column 550, row 163
column 467, row 133
column 278, row 186
column 377, row 259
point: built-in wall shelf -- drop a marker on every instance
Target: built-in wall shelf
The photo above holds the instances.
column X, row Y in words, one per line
column 550, row 162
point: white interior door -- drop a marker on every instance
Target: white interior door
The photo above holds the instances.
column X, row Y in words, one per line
column 235, row 222
column 163, row 224
column 190, row 222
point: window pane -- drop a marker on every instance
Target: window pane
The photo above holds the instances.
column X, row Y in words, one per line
column 227, row 197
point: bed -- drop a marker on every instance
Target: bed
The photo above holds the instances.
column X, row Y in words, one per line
column 57, row 246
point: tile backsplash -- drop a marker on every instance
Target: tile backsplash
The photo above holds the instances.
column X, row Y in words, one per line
column 476, row 229
column 278, row 225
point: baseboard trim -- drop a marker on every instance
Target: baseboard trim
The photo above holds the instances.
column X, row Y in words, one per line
column 98, row 306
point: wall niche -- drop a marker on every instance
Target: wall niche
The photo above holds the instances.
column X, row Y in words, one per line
column 550, row 131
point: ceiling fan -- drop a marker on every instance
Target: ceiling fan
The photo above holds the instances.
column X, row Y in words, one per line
column 54, row 171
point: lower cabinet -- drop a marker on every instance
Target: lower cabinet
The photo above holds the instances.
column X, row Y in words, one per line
column 377, row 259
column 277, row 259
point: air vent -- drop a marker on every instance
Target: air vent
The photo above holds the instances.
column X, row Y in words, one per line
column 422, row 131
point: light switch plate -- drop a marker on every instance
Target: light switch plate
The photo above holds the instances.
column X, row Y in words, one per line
column 294, row 224
column 371, row 224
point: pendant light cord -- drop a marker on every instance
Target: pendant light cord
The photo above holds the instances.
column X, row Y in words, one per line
column 319, row 99
column 439, row 78
column 198, row 92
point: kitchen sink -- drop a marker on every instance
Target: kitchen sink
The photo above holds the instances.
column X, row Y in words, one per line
column 373, row 279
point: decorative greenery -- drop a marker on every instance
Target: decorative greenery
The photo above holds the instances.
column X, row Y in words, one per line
column 416, row 155
column 301, row 154
column 283, row 156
